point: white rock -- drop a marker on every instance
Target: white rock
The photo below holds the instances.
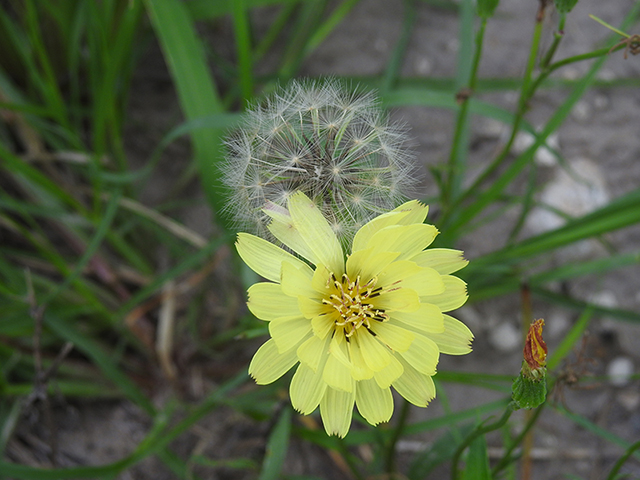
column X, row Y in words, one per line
column 581, row 111
column 570, row 73
column 471, row 318
column 492, row 128
column 575, row 192
column 556, row 324
column 543, row 155
column 606, row 74
column 601, row 102
column 505, row 337
column 423, row 66
column 381, row 45
column 604, row 298
column 619, row 371
column 629, row 400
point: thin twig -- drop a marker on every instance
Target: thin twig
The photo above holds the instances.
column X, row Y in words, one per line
column 40, row 389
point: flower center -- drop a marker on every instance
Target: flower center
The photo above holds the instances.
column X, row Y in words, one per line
column 351, row 301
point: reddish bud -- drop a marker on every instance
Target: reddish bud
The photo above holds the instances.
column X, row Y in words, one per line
column 535, row 349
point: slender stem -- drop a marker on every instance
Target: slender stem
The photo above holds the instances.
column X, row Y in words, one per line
column 577, row 58
column 397, row 432
column 614, row 471
column 475, row 434
column 557, row 37
column 243, row 49
column 525, row 95
column 506, row 459
column 455, row 158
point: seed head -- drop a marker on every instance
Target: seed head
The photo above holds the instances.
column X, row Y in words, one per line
column 333, row 144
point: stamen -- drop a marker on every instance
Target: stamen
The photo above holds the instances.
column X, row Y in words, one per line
column 349, row 299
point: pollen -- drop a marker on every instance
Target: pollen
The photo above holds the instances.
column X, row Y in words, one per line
column 352, row 303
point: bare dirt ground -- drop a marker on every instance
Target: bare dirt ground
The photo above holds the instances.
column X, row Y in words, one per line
column 601, row 141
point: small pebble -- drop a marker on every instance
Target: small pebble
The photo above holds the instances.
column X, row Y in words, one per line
column 601, row 102
column 570, row 73
column 506, row 337
column 381, row 45
column 619, row 371
column 575, row 192
column 543, row 155
column 606, row 74
column 581, row 111
column 423, row 66
column 629, row 400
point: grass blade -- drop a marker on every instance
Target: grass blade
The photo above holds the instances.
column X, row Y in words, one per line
column 185, row 58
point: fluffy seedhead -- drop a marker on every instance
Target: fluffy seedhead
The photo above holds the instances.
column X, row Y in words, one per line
column 335, row 145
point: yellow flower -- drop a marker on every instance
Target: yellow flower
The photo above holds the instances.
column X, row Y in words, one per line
column 355, row 328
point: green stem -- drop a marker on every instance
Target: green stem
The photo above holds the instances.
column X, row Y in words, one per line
column 475, row 434
column 522, row 105
column 577, row 58
column 506, row 459
column 557, row 37
column 243, row 49
column 395, row 436
column 614, row 471
column 456, row 157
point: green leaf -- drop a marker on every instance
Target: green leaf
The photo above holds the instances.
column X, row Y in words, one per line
column 438, row 452
column 186, row 60
column 477, row 467
column 277, row 447
column 102, row 359
column 565, row 6
column 486, row 8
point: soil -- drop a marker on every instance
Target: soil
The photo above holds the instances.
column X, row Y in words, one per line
column 603, row 129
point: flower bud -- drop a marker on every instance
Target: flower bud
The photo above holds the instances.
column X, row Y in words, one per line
column 529, row 390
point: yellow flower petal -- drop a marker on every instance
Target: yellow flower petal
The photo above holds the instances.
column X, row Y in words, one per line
column 423, row 355
column 283, row 228
column 409, row 240
column 407, row 274
column 268, row 364
column 359, row 369
column 336, row 409
column 313, row 352
column 401, row 300
column 267, row 301
column 416, row 212
column 263, row 257
column 322, row 325
column 389, row 374
column 287, row 332
column 375, row 404
column 456, row 338
column 367, row 265
column 417, row 388
column 376, row 356
column 395, row 337
column 321, row 279
column 427, row 319
column 397, row 272
column 442, row 260
column 406, row 214
column 306, row 389
column 311, row 308
column 317, row 233
column 454, row 295
column 296, row 281
column 368, row 230
column 338, row 349
column 337, row 375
